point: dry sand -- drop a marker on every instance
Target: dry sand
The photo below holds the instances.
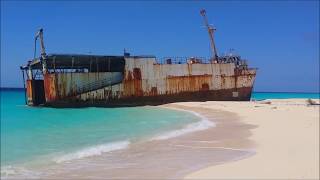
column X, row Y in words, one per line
column 273, row 139
column 286, row 138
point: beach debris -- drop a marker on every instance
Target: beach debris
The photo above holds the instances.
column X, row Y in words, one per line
column 312, row 102
column 265, row 102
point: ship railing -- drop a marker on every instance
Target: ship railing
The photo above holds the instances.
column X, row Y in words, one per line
column 183, row 60
column 201, row 60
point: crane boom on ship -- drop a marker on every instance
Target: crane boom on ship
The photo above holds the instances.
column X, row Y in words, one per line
column 211, row 30
column 42, row 48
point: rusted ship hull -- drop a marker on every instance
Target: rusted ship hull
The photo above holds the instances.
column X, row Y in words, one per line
column 134, row 81
column 213, row 95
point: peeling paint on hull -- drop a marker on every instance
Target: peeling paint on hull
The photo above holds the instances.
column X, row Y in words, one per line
column 244, row 94
column 142, row 81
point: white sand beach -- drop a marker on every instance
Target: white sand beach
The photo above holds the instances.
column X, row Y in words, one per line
column 271, row 139
column 286, row 140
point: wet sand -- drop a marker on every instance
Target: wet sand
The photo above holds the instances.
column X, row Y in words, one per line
column 165, row 159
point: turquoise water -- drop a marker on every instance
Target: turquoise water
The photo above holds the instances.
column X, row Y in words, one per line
column 37, row 133
column 283, row 95
column 30, row 133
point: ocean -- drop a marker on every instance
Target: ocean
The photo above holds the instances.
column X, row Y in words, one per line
column 49, row 134
column 41, row 136
column 283, row 95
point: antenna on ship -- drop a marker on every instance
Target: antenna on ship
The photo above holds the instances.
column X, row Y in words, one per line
column 211, row 30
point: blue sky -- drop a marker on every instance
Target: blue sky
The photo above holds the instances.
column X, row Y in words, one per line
column 281, row 38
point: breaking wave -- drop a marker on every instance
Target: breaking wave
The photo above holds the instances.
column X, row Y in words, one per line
column 93, row 151
column 17, row 172
column 203, row 124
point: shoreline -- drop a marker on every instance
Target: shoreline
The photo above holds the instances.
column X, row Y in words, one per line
column 171, row 158
column 231, row 148
column 224, row 121
column 286, row 137
column 167, row 158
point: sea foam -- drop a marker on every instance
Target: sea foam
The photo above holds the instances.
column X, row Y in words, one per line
column 93, row 151
column 17, row 172
column 203, row 124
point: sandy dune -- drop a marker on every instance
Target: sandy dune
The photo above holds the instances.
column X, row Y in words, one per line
column 286, row 137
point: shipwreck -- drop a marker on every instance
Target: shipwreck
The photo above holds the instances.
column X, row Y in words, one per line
column 74, row 80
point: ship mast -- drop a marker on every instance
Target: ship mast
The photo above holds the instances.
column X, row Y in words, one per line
column 211, row 30
column 42, row 48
